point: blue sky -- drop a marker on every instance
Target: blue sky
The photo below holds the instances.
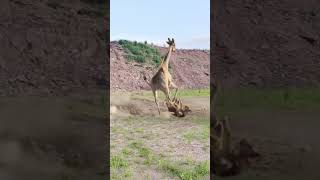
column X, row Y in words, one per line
column 187, row 21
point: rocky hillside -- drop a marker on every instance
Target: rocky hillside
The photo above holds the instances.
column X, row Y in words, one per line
column 266, row 43
column 51, row 46
column 189, row 69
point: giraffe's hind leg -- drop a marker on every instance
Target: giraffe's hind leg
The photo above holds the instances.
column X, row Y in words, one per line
column 166, row 91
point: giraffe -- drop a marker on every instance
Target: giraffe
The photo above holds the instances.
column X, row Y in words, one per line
column 162, row 80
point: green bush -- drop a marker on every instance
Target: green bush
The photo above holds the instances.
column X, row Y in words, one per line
column 140, row 59
column 157, row 59
column 140, row 52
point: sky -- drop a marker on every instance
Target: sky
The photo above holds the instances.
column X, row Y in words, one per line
column 187, row 21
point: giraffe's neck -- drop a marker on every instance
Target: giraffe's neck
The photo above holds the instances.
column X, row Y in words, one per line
column 167, row 58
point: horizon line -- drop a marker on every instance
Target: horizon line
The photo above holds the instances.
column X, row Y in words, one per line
column 158, row 44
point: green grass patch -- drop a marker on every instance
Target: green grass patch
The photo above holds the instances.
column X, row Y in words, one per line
column 200, row 120
column 139, row 130
column 141, row 52
column 118, row 161
column 178, row 169
column 185, row 170
column 126, row 152
column 201, row 134
column 182, row 93
column 194, row 92
column 120, row 166
column 115, row 129
column 143, row 152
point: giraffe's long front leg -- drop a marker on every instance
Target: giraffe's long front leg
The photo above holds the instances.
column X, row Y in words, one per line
column 175, row 87
column 167, row 92
column 155, row 94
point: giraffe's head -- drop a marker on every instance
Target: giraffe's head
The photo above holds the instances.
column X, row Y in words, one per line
column 172, row 44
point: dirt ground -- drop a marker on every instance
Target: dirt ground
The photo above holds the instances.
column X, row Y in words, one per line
column 52, row 138
column 145, row 145
column 287, row 141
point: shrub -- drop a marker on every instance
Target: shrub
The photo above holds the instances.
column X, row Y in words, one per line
column 140, row 59
column 157, row 59
column 140, row 52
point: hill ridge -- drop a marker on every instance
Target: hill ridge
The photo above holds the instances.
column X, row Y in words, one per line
column 189, row 68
